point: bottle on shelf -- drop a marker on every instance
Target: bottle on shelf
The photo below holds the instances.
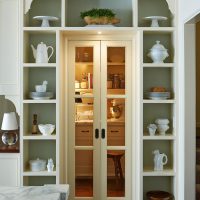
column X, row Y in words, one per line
column 34, row 125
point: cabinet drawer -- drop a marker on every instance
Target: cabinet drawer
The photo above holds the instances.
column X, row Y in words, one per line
column 116, row 135
column 84, row 136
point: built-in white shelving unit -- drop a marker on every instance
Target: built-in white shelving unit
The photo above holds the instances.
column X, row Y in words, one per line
column 147, row 75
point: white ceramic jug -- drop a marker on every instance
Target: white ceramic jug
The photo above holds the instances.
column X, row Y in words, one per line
column 159, row 160
column 41, row 53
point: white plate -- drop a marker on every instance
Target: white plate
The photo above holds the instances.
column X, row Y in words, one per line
column 41, row 98
column 45, row 20
column 155, row 19
column 158, row 98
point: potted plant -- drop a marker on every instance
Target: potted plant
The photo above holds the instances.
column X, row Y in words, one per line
column 99, row 16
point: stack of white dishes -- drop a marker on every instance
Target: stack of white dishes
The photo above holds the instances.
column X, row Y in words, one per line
column 162, row 125
column 41, row 95
column 158, row 95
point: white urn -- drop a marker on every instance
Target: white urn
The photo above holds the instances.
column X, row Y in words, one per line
column 158, row 53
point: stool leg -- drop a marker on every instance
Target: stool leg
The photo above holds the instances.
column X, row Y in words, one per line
column 116, row 169
column 120, row 169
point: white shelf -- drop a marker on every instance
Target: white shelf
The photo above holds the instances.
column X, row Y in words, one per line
column 39, row 137
column 39, row 65
column 42, row 29
column 161, row 65
column 84, row 96
column 157, row 29
column 40, row 101
column 41, row 173
column 159, row 101
column 159, row 137
column 165, row 172
column 116, row 96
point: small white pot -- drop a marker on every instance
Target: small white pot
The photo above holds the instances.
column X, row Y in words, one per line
column 162, row 128
column 158, row 53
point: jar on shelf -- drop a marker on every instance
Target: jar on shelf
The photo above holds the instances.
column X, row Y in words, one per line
column 86, row 57
column 109, row 81
column 122, row 81
column 116, row 81
column 84, row 82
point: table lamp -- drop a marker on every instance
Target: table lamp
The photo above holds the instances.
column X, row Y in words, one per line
column 9, row 128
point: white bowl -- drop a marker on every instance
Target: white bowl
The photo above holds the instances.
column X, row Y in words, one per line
column 46, row 129
column 162, row 129
column 40, row 88
column 162, row 121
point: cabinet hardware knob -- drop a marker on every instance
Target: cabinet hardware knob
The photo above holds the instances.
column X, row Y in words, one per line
column 96, row 133
column 85, row 131
column 103, row 133
column 114, row 131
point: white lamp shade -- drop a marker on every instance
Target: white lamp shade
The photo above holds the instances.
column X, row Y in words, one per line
column 9, row 121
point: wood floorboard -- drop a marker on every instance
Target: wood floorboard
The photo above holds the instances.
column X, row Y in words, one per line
column 84, row 188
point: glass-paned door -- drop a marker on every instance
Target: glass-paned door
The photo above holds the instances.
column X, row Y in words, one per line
column 116, row 125
column 99, row 133
column 84, row 122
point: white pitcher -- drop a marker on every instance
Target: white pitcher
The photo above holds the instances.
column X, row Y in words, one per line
column 41, row 53
column 159, row 160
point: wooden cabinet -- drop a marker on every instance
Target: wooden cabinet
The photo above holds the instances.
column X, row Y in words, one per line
column 84, row 135
column 10, row 169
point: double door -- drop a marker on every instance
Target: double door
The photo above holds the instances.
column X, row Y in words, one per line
column 99, row 119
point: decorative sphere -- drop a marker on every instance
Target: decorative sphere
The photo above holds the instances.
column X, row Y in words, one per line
column 9, row 137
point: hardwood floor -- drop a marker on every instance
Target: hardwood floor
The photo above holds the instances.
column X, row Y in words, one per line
column 84, row 188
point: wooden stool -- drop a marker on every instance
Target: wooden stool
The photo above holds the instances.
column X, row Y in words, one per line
column 116, row 157
column 159, row 195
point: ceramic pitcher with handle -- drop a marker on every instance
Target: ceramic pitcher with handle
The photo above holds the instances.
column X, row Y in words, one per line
column 160, row 159
column 41, row 53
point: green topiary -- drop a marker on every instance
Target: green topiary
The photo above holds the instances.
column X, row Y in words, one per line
column 98, row 12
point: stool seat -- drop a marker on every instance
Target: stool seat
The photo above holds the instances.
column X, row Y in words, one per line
column 159, row 195
column 116, row 157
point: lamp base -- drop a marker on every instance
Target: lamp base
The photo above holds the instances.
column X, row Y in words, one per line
column 9, row 137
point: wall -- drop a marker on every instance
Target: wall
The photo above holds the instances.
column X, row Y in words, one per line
column 9, row 50
column 186, row 40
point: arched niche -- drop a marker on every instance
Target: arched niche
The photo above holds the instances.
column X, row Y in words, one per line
column 6, row 106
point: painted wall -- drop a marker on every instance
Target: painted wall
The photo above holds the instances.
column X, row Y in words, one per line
column 186, row 57
column 188, row 8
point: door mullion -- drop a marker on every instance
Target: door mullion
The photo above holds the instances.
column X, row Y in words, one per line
column 103, row 120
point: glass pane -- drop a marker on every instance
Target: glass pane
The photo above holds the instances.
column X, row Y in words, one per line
column 116, row 173
column 84, row 69
column 84, row 173
column 116, row 122
column 84, row 121
column 116, row 70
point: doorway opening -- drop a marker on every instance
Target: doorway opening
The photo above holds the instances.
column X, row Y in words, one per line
column 192, row 107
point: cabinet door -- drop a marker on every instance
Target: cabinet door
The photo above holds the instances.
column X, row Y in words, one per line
column 84, row 120
column 10, row 170
column 116, row 119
